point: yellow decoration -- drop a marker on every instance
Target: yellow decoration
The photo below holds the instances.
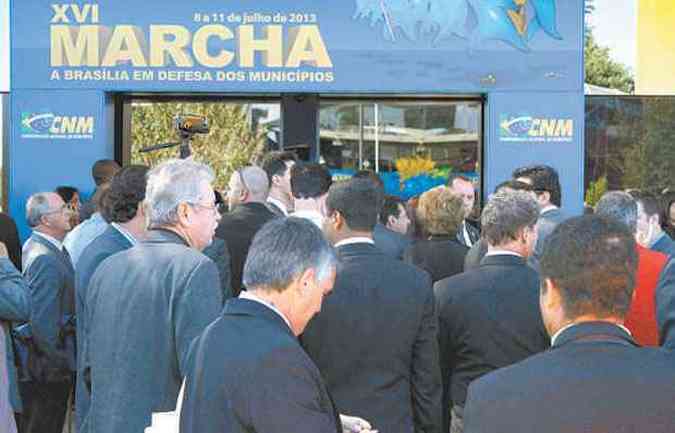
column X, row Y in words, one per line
column 413, row 166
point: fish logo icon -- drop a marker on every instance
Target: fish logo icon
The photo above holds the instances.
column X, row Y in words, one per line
column 516, row 126
column 32, row 123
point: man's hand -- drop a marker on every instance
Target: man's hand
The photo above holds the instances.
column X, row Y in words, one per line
column 353, row 424
column 3, row 250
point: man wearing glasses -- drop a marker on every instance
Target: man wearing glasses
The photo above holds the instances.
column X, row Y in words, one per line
column 50, row 277
column 146, row 304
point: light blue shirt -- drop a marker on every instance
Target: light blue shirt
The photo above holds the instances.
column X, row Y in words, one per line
column 82, row 235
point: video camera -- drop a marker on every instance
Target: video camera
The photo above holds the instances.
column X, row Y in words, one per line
column 187, row 125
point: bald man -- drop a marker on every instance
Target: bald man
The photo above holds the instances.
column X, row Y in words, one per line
column 247, row 195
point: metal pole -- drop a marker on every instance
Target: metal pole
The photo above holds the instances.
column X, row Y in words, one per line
column 377, row 137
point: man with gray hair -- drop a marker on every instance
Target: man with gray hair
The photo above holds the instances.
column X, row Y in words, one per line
column 641, row 317
column 489, row 316
column 145, row 305
column 246, row 196
column 49, row 274
column 248, row 373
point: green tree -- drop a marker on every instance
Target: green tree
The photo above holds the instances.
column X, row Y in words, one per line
column 601, row 70
column 231, row 144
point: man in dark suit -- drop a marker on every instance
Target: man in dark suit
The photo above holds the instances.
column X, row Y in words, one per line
column 546, row 184
column 122, row 207
column 596, row 377
column 247, row 193
column 145, row 305
column 665, row 305
column 489, row 317
column 248, row 373
column 463, row 187
column 650, row 234
column 375, row 341
column 278, row 167
column 50, row 277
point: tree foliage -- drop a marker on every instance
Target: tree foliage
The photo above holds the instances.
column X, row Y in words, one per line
column 231, row 144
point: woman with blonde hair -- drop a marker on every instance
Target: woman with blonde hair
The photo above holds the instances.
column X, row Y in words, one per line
column 440, row 254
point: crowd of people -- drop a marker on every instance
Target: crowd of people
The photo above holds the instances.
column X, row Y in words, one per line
column 300, row 304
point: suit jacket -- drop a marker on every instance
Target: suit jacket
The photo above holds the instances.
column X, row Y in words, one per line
column 104, row 246
column 665, row 305
column 440, row 256
column 489, row 318
column 594, row 378
column 144, row 308
column 475, row 255
column 665, row 245
column 389, row 242
column 51, row 279
column 276, row 210
column 249, row 374
column 219, row 253
column 641, row 316
column 375, row 342
column 237, row 228
column 9, row 235
column 14, row 307
column 474, row 234
column 547, row 222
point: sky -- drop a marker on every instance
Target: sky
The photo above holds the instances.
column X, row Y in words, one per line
column 614, row 25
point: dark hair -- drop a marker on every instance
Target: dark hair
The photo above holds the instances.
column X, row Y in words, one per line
column 356, row 200
column 377, row 180
column 544, row 179
column 650, row 202
column 452, row 177
column 103, row 171
column 506, row 214
column 391, row 207
column 619, row 206
column 127, row 190
column 274, row 163
column 515, row 185
column 66, row 192
column 592, row 260
column 310, row 180
column 667, row 201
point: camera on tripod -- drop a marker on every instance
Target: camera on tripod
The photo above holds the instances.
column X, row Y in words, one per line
column 187, row 125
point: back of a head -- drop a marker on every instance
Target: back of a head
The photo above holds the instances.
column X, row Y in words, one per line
column 506, row 214
column 391, row 207
column 256, row 181
column 377, row 180
column 544, row 179
column 126, row 191
column 310, row 180
column 619, row 206
column 357, row 201
column 592, row 259
column 514, row 185
column 282, row 250
column 171, row 183
column 103, row 171
column 37, row 206
column 66, row 192
column 440, row 211
column 274, row 163
column 651, row 204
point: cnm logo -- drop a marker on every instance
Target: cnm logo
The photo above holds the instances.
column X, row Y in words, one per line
column 72, row 125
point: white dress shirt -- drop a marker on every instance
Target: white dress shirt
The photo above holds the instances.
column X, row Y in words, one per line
column 251, row 297
column 355, row 240
column 311, row 215
column 279, row 204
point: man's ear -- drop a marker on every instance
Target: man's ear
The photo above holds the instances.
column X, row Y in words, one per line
column 391, row 220
column 550, row 295
column 306, row 280
column 183, row 213
column 545, row 196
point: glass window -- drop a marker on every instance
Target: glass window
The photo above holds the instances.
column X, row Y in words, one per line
column 239, row 133
column 630, row 143
column 414, row 145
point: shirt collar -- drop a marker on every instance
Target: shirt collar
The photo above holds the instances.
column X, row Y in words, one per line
column 57, row 243
column 355, row 240
column 548, row 209
column 565, row 328
column 311, row 215
column 126, row 233
column 498, row 252
column 657, row 239
column 279, row 204
column 251, row 297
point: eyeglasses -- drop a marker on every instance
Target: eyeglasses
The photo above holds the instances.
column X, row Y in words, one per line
column 61, row 209
column 213, row 208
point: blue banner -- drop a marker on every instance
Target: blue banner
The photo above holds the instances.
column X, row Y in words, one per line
column 351, row 46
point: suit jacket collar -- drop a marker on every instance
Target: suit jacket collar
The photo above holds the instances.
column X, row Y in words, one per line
column 47, row 241
column 63, row 256
column 594, row 331
column 164, row 236
column 247, row 307
column 503, row 260
column 114, row 234
column 254, row 207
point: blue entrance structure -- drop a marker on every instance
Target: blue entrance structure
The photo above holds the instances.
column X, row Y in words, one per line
column 69, row 60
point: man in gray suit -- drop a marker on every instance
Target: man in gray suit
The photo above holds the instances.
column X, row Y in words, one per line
column 546, row 183
column 50, row 277
column 145, row 305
